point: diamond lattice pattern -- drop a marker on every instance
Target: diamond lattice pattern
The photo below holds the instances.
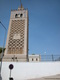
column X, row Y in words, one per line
column 16, row 44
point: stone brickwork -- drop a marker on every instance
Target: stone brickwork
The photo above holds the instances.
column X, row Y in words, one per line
column 17, row 38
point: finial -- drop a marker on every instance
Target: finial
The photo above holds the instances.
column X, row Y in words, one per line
column 21, row 4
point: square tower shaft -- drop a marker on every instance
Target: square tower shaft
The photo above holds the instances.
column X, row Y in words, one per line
column 17, row 38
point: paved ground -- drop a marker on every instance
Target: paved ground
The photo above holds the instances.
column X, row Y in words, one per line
column 56, row 77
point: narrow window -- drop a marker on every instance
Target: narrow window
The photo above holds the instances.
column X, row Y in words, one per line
column 36, row 59
column 32, row 59
column 21, row 15
column 16, row 15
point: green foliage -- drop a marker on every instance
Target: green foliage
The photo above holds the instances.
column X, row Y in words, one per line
column 0, row 59
column 33, row 54
column 1, row 50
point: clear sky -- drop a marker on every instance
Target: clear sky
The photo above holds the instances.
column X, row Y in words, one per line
column 44, row 24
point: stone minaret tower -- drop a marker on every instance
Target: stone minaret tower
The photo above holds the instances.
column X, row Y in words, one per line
column 17, row 38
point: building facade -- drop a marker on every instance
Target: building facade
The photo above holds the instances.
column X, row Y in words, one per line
column 34, row 58
column 17, row 38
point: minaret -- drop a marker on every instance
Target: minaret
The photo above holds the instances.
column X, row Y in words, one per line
column 17, row 38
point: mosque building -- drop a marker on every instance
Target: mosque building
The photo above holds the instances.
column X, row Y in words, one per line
column 17, row 38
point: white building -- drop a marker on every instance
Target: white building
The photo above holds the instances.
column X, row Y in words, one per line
column 34, row 58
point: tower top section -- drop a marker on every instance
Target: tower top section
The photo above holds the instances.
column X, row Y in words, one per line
column 21, row 6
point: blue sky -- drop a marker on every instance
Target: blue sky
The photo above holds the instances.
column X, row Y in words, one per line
column 44, row 24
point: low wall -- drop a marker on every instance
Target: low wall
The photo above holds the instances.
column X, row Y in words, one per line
column 28, row 70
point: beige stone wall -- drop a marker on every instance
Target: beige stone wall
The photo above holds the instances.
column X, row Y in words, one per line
column 17, row 38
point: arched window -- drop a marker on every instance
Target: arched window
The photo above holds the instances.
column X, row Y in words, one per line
column 36, row 59
column 21, row 15
column 32, row 59
column 16, row 15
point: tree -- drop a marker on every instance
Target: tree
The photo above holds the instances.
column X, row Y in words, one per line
column 1, row 52
column 33, row 54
